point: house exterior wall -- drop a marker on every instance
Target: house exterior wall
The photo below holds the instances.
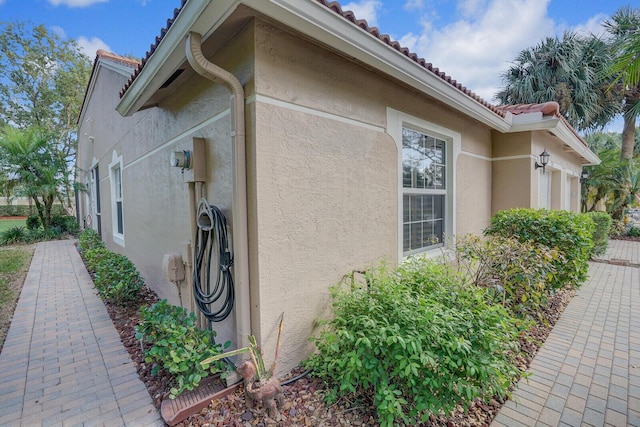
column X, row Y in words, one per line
column 516, row 181
column 156, row 196
column 326, row 178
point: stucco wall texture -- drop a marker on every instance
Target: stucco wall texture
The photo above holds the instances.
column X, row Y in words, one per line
column 322, row 173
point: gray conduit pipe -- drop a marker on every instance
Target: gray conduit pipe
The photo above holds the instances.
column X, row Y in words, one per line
column 216, row 74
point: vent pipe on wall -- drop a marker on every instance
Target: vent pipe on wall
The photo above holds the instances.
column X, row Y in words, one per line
column 216, row 74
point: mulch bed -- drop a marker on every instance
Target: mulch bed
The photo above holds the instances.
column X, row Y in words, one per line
column 304, row 398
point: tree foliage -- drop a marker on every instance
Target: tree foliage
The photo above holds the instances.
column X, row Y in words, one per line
column 42, row 82
column 624, row 69
column 565, row 70
column 28, row 159
column 613, row 184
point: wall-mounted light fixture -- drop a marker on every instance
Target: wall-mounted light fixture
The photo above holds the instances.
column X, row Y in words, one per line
column 544, row 160
column 584, row 176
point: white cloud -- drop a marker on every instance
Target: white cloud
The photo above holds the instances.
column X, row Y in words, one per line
column 59, row 31
column 592, row 26
column 413, row 4
column 478, row 47
column 76, row 3
column 90, row 46
column 365, row 9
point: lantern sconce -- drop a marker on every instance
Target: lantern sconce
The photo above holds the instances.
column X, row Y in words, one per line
column 544, row 160
column 584, row 176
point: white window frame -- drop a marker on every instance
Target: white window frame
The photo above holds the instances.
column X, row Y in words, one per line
column 114, row 167
column 396, row 121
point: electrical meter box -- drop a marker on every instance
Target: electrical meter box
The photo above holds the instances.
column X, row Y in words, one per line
column 173, row 267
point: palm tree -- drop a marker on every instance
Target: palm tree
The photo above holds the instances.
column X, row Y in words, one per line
column 567, row 71
column 624, row 27
column 27, row 158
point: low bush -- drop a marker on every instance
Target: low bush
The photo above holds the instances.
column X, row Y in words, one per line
column 176, row 344
column 89, row 239
column 33, row 222
column 570, row 233
column 22, row 235
column 420, row 339
column 617, row 228
column 92, row 257
column 116, row 277
column 602, row 222
column 13, row 235
column 26, row 210
column 65, row 224
column 634, row 232
column 516, row 274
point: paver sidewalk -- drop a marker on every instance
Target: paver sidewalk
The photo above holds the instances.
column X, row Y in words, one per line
column 62, row 362
column 588, row 370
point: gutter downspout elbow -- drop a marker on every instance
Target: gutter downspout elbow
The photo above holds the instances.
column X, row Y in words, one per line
column 216, row 74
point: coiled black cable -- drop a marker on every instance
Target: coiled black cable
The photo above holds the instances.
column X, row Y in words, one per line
column 211, row 243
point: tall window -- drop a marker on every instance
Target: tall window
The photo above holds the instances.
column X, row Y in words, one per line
column 424, row 182
column 117, row 176
column 117, row 212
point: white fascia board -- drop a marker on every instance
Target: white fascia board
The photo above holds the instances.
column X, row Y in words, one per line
column 199, row 16
column 324, row 25
column 560, row 129
column 565, row 134
column 316, row 21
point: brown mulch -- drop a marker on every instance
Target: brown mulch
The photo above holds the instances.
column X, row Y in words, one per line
column 304, row 397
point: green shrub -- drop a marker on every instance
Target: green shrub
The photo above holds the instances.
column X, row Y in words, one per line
column 26, row 210
column 634, row 232
column 116, row 277
column 92, row 257
column 420, row 339
column 177, row 345
column 33, row 222
column 617, row 228
column 13, row 235
column 65, row 224
column 602, row 221
column 89, row 239
column 516, row 274
column 570, row 233
column 41, row 235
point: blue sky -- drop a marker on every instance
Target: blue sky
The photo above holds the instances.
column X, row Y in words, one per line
column 471, row 40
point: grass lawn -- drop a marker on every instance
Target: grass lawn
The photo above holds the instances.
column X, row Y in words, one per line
column 6, row 224
column 14, row 264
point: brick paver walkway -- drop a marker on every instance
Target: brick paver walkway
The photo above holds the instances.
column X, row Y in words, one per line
column 62, row 362
column 588, row 370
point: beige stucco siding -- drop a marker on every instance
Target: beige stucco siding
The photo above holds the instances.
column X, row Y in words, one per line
column 327, row 203
column 327, row 179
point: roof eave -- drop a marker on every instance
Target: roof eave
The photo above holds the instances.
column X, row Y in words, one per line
column 170, row 53
column 99, row 64
column 319, row 23
column 561, row 130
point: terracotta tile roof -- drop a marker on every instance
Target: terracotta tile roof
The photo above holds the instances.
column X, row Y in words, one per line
column 550, row 108
column 101, row 53
column 348, row 15
column 131, row 62
column 153, row 47
column 547, row 109
column 374, row 31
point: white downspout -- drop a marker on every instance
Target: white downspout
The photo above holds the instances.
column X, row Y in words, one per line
column 216, row 74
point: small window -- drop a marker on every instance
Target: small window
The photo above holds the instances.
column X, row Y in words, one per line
column 117, row 205
column 118, row 199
